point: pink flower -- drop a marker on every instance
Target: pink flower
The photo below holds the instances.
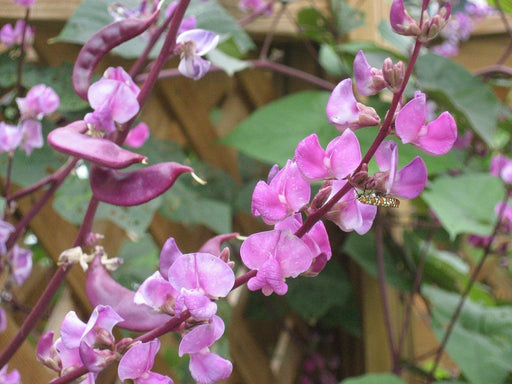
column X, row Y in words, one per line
column 344, row 111
column 25, row 3
column 316, row 239
column 41, row 100
column 47, row 353
column 340, row 158
column 192, row 45
column 369, row 80
column 137, row 136
column 13, row 36
column 10, row 137
column 408, row 182
column 401, row 22
column 113, row 98
column 435, row 138
column 285, row 193
column 20, row 260
column 3, row 320
column 276, row 255
column 137, row 362
column 9, row 378
column 256, row 6
column 348, row 213
column 501, row 166
column 5, row 231
column 32, row 135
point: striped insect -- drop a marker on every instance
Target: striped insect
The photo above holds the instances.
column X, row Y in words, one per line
column 378, row 199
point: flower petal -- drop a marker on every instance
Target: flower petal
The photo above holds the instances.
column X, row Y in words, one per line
column 138, row 360
column 342, row 108
column 411, row 179
column 440, row 135
column 208, row 368
column 309, row 157
column 411, row 118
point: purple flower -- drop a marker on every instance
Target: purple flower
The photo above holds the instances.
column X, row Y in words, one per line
column 20, row 260
column 316, row 239
column 25, row 3
column 113, row 98
column 32, row 135
column 41, row 100
column 10, row 137
column 256, row 6
column 47, row 353
column 501, row 166
column 435, row 138
column 340, row 158
column 137, row 362
column 408, row 182
column 5, row 231
column 137, row 136
column 401, row 22
column 3, row 320
column 447, row 48
column 369, row 80
column 13, row 36
column 9, row 378
column 276, row 255
column 285, row 193
column 344, row 111
column 348, row 213
column 192, row 45
column 187, row 23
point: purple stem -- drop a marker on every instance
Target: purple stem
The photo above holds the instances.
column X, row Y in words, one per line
column 463, row 297
column 381, row 271
column 8, row 184
column 270, row 33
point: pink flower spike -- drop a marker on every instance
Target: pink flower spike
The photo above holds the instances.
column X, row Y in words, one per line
column 192, row 45
column 209, row 368
column 21, row 263
column 344, row 111
column 32, row 131
column 401, row 22
column 369, row 80
column 157, row 293
column 9, row 378
column 137, row 362
column 202, row 336
column 13, row 36
column 170, row 252
column 436, row 138
column 286, row 193
column 501, row 166
column 137, row 136
column 10, row 137
column 40, row 101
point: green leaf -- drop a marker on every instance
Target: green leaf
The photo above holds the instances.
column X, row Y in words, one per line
column 362, row 250
column 505, row 5
column 330, row 61
column 314, row 25
column 347, row 17
column 479, row 338
column 92, row 15
column 140, row 260
column 469, row 98
column 465, row 204
column 73, row 196
column 272, row 133
column 229, row 64
column 191, row 207
column 374, row 378
column 402, row 43
column 312, row 298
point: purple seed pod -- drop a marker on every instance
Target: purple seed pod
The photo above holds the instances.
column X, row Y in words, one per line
column 135, row 187
column 71, row 140
column 103, row 42
column 212, row 245
column 101, row 288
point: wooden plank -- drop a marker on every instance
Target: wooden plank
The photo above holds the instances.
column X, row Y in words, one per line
column 481, row 52
column 374, row 11
column 24, row 360
column 41, row 10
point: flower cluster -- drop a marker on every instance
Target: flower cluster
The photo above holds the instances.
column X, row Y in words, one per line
column 12, row 36
column 191, row 45
column 190, row 282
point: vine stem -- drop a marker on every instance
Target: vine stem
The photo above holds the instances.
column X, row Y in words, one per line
column 8, row 183
column 270, row 33
column 463, row 297
column 381, row 274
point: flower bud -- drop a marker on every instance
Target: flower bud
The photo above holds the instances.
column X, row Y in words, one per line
column 367, row 116
column 432, row 26
column 401, row 22
column 393, row 74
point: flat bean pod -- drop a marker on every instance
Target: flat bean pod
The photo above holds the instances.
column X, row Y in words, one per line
column 135, row 187
column 102, row 289
column 71, row 140
column 103, row 42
